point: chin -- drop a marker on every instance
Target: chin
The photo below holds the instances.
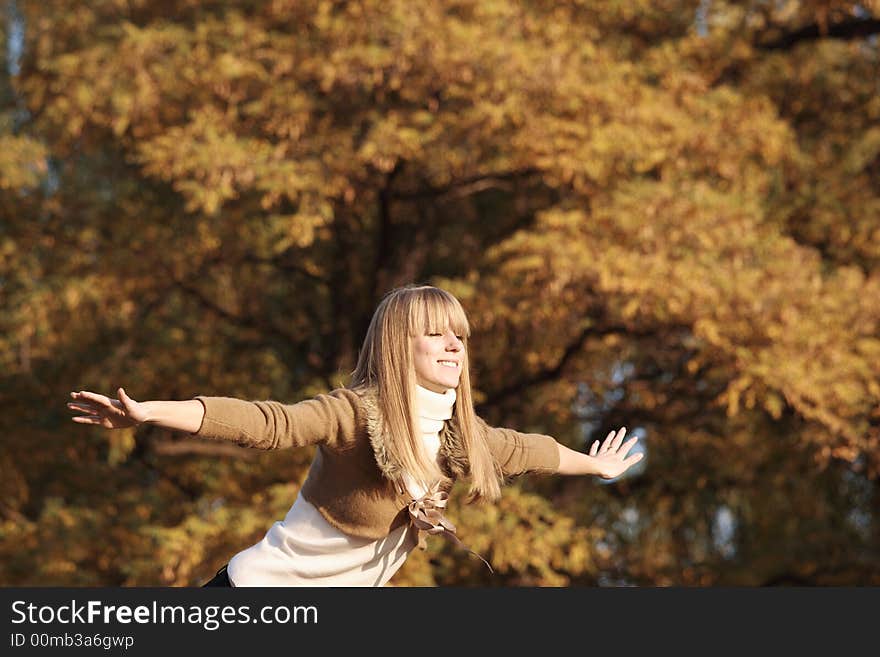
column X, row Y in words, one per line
column 446, row 385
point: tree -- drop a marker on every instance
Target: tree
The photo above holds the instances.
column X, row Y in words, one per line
column 658, row 215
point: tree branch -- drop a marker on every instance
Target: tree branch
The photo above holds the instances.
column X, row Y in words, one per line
column 204, row 301
column 466, row 186
column 288, row 267
column 851, row 29
column 200, row 448
column 553, row 372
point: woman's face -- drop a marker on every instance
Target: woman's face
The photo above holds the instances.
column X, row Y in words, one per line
column 438, row 359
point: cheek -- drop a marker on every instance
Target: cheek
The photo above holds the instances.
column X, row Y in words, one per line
column 424, row 359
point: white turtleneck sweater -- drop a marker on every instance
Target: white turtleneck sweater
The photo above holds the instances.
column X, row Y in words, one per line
column 306, row 550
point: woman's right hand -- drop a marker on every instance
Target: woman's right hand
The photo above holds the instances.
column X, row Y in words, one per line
column 107, row 412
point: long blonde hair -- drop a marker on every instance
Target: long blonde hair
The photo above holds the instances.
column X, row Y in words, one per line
column 386, row 362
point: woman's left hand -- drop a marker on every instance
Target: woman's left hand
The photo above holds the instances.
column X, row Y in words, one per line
column 610, row 459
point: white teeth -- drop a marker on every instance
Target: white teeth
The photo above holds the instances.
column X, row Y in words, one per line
column 448, row 363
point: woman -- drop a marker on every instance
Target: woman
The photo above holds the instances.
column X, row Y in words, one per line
column 389, row 448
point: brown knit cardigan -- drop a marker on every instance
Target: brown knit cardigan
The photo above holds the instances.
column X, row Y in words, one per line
column 349, row 479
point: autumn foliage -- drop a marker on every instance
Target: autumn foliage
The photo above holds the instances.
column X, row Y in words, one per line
column 662, row 215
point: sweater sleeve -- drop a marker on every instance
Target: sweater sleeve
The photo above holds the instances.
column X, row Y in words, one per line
column 520, row 453
column 325, row 419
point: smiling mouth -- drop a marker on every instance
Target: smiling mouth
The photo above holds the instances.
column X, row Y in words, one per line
column 448, row 363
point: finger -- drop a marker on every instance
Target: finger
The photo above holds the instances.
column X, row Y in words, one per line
column 615, row 442
column 85, row 408
column 608, row 443
column 126, row 401
column 595, row 448
column 632, row 460
column 91, row 407
column 628, row 445
column 95, row 397
column 81, row 419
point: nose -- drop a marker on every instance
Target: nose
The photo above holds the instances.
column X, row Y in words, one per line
column 452, row 342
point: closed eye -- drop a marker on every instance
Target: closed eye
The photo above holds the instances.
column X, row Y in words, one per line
column 460, row 337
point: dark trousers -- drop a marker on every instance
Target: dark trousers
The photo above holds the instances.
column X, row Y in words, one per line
column 220, row 579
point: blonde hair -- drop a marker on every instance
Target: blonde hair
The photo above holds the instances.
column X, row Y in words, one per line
column 386, row 362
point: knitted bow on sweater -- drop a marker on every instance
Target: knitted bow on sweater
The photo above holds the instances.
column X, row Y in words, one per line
column 426, row 515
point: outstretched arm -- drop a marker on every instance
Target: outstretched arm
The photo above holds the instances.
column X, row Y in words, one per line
column 607, row 461
column 126, row 412
column 329, row 418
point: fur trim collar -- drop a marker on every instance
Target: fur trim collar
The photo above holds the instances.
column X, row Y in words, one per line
column 453, row 459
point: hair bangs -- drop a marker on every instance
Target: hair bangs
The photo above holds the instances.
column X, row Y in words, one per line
column 434, row 311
